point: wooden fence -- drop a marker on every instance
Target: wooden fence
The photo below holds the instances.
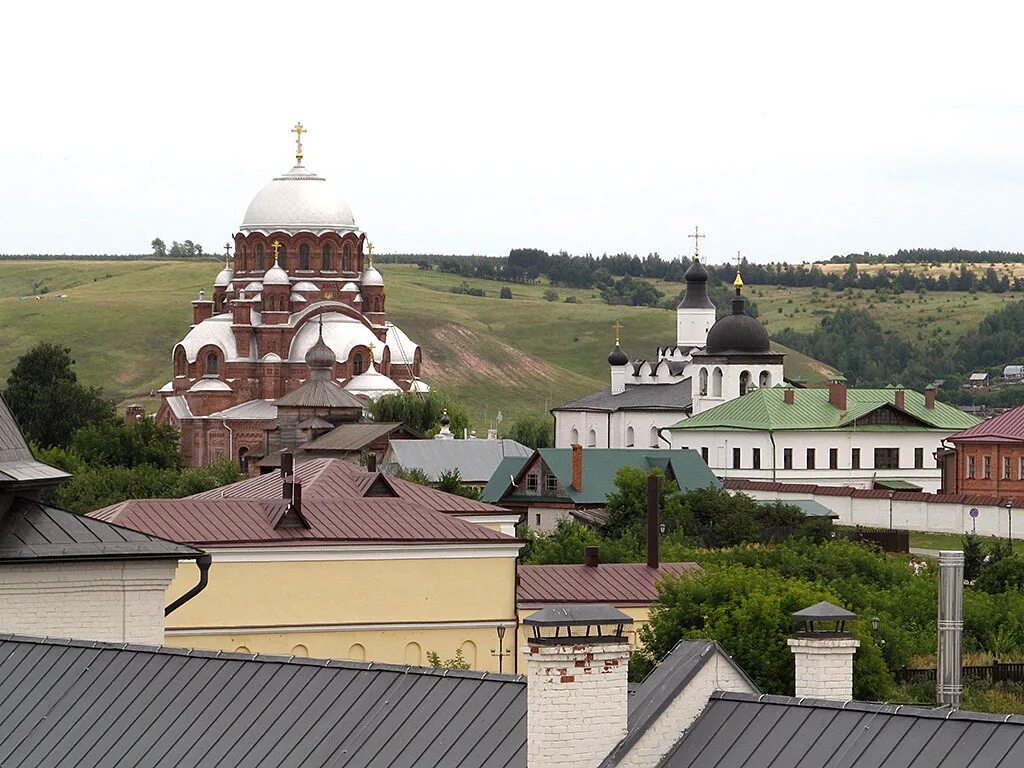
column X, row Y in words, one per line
column 993, row 673
column 888, row 540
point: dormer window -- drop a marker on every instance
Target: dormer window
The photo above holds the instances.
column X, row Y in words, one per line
column 532, row 482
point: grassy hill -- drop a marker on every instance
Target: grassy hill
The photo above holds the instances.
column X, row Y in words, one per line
column 121, row 320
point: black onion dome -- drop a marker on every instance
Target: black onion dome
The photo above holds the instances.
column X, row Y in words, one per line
column 617, row 357
column 320, row 355
column 738, row 332
column 445, row 421
column 696, row 295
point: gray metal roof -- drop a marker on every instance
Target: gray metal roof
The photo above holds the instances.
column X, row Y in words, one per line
column 637, row 397
column 319, row 394
column 32, row 532
column 577, row 616
column 98, row 705
column 782, row 732
column 824, row 611
column 663, row 684
column 476, row 460
column 354, row 437
column 809, row 507
column 17, row 464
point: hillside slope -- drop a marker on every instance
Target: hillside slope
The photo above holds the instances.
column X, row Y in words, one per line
column 121, row 320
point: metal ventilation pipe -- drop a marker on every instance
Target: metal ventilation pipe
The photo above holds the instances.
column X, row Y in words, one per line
column 653, row 522
column 948, row 687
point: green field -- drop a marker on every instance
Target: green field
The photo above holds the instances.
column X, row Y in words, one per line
column 121, row 320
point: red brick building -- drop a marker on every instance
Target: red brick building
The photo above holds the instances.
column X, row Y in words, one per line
column 987, row 458
column 298, row 257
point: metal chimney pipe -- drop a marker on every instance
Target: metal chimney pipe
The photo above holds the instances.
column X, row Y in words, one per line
column 287, row 464
column 948, row 687
column 653, row 532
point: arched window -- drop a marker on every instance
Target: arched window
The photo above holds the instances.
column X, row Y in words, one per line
column 376, row 303
column 282, row 257
column 346, row 257
column 328, row 257
column 630, row 439
column 260, row 258
column 270, row 304
column 180, row 362
column 304, row 257
column 574, row 436
column 716, row 383
column 243, row 460
column 413, row 654
column 654, row 438
column 357, row 652
column 211, row 363
column 468, row 649
column 592, row 439
column 703, row 381
column 744, row 382
column 764, row 380
column 358, row 366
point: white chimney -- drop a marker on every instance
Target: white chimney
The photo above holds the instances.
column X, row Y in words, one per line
column 576, row 691
column 824, row 652
column 948, row 686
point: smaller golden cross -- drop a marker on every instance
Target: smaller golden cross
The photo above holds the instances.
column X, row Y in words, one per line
column 617, row 327
column 738, row 282
column 277, row 247
column 696, row 241
column 298, row 130
column 369, row 248
column 227, row 249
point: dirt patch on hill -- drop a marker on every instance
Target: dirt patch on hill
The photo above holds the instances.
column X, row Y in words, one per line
column 451, row 356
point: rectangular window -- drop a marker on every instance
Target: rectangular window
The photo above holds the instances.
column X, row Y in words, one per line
column 1020, row 469
column 1006, row 468
column 986, row 468
column 919, row 458
column 810, row 458
column 756, row 458
column 833, row 458
column 970, row 467
column 735, row 458
column 550, row 483
column 887, row 458
column 787, row 458
column 855, row 458
column 704, row 454
column 538, row 518
column 531, row 482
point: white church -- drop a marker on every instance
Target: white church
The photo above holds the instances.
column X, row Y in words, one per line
column 711, row 363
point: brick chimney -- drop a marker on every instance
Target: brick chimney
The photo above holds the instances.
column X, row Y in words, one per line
column 577, row 467
column 901, row 398
column 837, row 392
column 789, row 395
column 134, row 413
column 576, row 691
column 592, row 557
column 824, row 651
column 929, row 397
column 202, row 308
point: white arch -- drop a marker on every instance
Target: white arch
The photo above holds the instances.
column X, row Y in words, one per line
column 744, row 382
column 630, row 437
column 764, row 381
column 574, row 436
column 703, row 381
column 654, row 438
column 592, row 439
column 716, row 383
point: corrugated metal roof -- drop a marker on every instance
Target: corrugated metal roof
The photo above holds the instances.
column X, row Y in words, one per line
column 663, row 685
column 319, row 394
column 234, row 521
column 476, row 460
column 326, row 478
column 766, row 409
column 98, row 705
column 974, row 499
column 615, row 583
column 636, row 397
column 352, row 437
column 256, row 410
column 17, row 464
column 32, row 532
column 1008, row 426
column 599, row 468
column 740, row 730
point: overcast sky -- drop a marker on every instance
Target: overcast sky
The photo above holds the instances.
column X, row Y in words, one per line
column 788, row 131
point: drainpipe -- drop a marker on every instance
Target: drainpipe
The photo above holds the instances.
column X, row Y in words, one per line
column 662, row 437
column 203, row 562
column 231, row 440
column 771, row 436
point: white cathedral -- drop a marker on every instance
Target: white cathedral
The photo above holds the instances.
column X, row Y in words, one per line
column 710, row 363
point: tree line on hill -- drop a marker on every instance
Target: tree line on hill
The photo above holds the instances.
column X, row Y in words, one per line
column 931, row 256
column 762, row 562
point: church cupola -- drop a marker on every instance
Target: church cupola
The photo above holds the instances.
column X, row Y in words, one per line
column 618, row 362
column 372, row 283
column 320, row 358
column 277, row 291
column 738, row 333
column 222, row 283
column 696, row 313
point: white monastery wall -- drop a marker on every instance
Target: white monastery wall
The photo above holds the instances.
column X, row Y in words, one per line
column 120, row 601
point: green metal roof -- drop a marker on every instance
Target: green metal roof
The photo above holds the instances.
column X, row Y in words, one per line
column 897, row 485
column 599, row 468
column 766, row 409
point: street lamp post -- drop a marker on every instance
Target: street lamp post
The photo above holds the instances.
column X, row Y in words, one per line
column 1009, row 523
column 891, row 494
column 501, row 653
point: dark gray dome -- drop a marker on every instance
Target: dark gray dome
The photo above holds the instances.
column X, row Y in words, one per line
column 737, row 333
column 696, row 295
column 617, row 357
column 320, row 356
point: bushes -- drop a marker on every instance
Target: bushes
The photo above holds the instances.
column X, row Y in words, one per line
column 505, row 293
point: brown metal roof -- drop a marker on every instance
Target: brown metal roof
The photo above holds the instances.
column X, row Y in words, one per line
column 353, row 437
column 240, row 521
column 614, row 583
column 1006, row 427
column 326, row 478
column 976, row 499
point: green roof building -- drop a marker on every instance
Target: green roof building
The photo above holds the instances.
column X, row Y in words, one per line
column 865, row 438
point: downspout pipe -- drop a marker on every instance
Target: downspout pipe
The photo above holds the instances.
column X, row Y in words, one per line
column 203, row 562
column 771, row 436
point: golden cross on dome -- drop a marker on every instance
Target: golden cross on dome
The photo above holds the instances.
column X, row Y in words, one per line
column 227, row 250
column 696, row 241
column 298, row 130
column 738, row 282
column 617, row 327
column 369, row 248
column 277, row 247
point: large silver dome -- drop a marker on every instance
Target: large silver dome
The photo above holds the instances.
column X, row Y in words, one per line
column 298, row 200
